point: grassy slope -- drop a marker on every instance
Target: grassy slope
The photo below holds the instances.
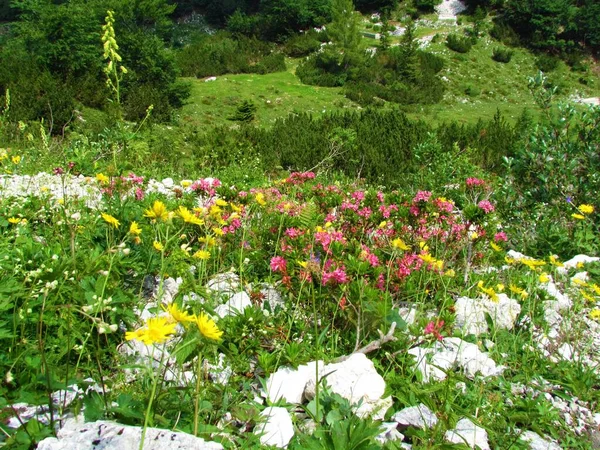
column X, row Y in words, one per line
column 491, row 86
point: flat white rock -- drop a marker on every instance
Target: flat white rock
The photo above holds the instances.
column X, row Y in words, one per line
column 389, row 433
column 289, row 384
column 107, row 435
column 466, row 432
column 453, row 353
column 356, row 380
column 575, row 261
column 278, row 429
column 536, row 442
column 235, row 305
column 419, row 416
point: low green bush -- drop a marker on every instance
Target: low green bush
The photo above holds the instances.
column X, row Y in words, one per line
column 459, row 44
column 502, row 55
column 547, row 63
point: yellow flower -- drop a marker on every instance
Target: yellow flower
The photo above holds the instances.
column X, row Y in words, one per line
column 111, row 220
column 178, row 314
column 383, row 224
column 588, row 297
column 555, row 262
column 218, row 231
column 500, row 287
column 189, row 216
column 586, row 209
column 595, row 314
column 201, row 254
column 156, row 331
column 215, row 211
column 16, row 159
column 158, row 246
column 474, row 235
column 532, row 263
column 14, row 220
column 517, row 290
column 577, row 216
column 495, row 246
column 102, row 179
column 260, row 199
column 450, row 273
column 544, row 278
column 208, row 328
column 235, row 208
column 400, row 244
column 208, row 240
column 186, row 183
column 220, row 202
column 158, row 211
column 135, row 229
column 490, row 292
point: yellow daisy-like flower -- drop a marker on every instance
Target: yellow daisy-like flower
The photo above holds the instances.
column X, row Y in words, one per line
column 208, row 240
column 544, row 278
column 188, row 216
column 156, row 331
column 450, row 273
column 220, row 202
column 16, row 159
column 186, row 183
column 158, row 211
column 202, row 255
column 495, row 246
column 399, row 244
column 111, row 220
column 595, row 314
column 490, row 292
column 158, row 246
column 178, row 314
column 260, row 199
column 555, row 262
column 135, row 229
column 218, row 231
column 207, row 327
column 14, row 220
column 102, row 179
column 577, row 216
column 586, row 209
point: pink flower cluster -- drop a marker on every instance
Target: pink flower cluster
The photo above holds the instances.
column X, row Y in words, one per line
column 337, row 276
column 206, row 185
column 486, row 205
column 473, row 182
column 278, row 264
column 422, row 196
column 434, row 329
column 296, row 178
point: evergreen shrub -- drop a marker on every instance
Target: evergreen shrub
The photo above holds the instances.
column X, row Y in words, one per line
column 502, row 55
column 459, row 44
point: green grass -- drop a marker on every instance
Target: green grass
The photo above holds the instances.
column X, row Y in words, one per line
column 276, row 95
column 477, row 87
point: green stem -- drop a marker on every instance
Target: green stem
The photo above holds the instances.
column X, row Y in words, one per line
column 151, row 401
column 197, row 394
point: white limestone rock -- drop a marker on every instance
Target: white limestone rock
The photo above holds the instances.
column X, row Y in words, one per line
column 470, row 316
column 409, row 315
column 224, row 283
column 289, row 384
column 576, row 261
column 278, row 429
column 389, row 433
column 453, row 353
column 108, row 435
column 536, row 442
column 235, row 305
column 466, row 432
column 356, row 380
column 419, row 416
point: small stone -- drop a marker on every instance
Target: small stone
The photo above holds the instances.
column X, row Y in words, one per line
column 536, row 442
column 278, row 429
column 389, row 433
column 416, row 416
column 466, row 432
column 235, row 305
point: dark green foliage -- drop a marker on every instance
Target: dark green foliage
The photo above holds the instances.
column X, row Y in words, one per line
column 245, row 112
column 221, row 53
column 502, row 32
column 547, row 63
column 56, row 52
column 426, row 6
column 460, row 44
column 502, row 55
column 300, row 45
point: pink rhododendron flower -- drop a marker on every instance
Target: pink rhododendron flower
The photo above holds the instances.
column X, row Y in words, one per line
column 472, row 182
column 434, row 329
column 501, row 236
column 338, row 276
column 278, row 264
column 486, row 205
column 422, row 196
